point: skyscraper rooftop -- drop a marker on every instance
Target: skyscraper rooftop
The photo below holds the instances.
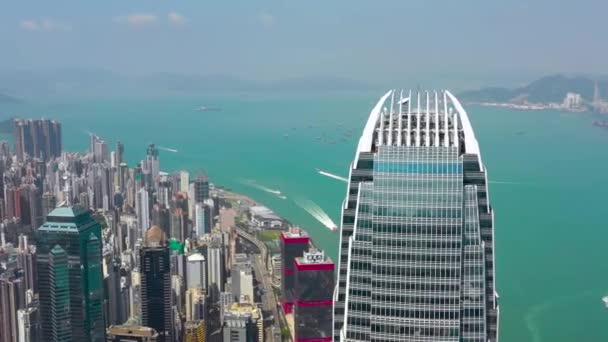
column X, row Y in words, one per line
column 417, row 231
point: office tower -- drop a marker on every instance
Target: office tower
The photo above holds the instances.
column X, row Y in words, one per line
column 195, row 331
column 123, row 176
column 242, row 278
column 196, row 307
column 216, row 267
column 29, row 323
column 119, row 153
column 70, row 276
column 26, row 261
column 142, row 210
column 12, row 298
column 417, row 237
column 243, row 323
column 115, row 307
column 161, row 217
column 99, row 148
column 49, row 202
column 30, row 205
column 131, row 333
column 313, row 290
column 196, row 273
column 179, row 224
column 203, row 219
column 293, row 244
column 155, row 271
column 184, row 181
column 37, row 139
column 201, row 188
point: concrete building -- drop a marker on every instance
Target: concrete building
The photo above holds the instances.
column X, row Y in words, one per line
column 195, row 331
column 243, row 323
column 196, row 275
column 131, row 333
column 264, row 218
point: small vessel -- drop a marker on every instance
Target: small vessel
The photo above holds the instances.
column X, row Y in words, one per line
column 333, row 229
column 601, row 123
column 605, row 300
column 208, row 109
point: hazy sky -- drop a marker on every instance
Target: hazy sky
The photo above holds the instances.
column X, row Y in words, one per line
column 256, row 39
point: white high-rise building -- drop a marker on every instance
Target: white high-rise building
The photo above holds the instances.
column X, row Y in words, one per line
column 417, row 230
column 143, row 211
column 184, row 181
column 197, row 272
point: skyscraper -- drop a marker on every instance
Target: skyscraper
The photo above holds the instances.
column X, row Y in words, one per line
column 37, row 138
column 12, row 298
column 196, row 274
column 29, row 323
column 216, row 267
column 313, row 288
column 70, row 276
column 417, row 236
column 119, row 153
column 201, row 188
column 293, row 244
column 143, row 210
column 155, row 269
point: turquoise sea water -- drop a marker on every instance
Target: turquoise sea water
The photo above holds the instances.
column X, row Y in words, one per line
column 549, row 192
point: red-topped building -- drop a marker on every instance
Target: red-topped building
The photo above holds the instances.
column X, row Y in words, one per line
column 313, row 289
column 293, row 244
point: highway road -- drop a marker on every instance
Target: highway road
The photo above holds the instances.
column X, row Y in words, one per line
column 269, row 303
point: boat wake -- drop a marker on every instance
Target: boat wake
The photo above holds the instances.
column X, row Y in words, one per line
column 315, row 211
column 507, row 183
column 331, row 175
column 168, row 149
column 255, row 185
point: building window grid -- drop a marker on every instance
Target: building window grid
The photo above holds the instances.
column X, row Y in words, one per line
column 409, row 186
column 391, row 199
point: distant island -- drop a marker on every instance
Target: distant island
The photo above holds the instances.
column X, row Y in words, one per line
column 572, row 94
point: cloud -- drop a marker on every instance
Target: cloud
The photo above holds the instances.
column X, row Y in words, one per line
column 176, row 19
column 266, row 19
column 46, row 25
column 138, row 20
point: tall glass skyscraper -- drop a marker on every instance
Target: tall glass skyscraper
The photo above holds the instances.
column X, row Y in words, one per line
column 156, row 284
column 417, row 232
column 70, row 276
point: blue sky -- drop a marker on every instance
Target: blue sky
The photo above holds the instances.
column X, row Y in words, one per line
column 358, row 39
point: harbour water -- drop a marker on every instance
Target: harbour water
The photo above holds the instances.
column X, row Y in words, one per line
column 548, row 172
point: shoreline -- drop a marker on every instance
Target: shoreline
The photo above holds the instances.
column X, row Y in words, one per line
column 531, row 106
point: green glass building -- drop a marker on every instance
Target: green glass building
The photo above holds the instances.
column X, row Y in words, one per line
column 70, row 276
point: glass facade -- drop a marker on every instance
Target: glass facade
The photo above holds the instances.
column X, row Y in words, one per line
column 78, row 235
column 314, row 285
column 417, row 246
column 156, row 291
column 293, row 246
